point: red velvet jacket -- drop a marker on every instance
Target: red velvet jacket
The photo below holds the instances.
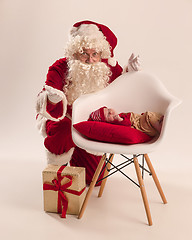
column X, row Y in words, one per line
column 56, row 78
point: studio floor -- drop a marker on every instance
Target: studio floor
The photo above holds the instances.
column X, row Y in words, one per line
column 119, row 214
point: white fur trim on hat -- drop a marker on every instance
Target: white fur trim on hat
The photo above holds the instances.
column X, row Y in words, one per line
column 87, row 36
column 112, row 61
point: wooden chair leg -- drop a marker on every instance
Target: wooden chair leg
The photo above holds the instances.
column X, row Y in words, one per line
column 108, row 166
column 150, row 166
column 143, row 192
column 91, row 187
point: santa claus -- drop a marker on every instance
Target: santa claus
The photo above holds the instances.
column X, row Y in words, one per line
column 88, row 66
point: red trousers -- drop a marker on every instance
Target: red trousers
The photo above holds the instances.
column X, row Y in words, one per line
column 59, row 141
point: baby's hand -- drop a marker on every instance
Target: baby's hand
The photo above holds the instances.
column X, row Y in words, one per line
column 118, row 118
column 133, row 63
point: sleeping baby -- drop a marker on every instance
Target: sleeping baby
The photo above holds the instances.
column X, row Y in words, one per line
column 148, row 122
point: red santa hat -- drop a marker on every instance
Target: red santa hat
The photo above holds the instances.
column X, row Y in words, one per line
column 97, row 115
column 88, row 34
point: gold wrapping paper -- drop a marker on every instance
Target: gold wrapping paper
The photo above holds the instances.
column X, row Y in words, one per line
column 78, row 183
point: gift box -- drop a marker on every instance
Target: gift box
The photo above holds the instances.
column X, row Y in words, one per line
column 63, row 189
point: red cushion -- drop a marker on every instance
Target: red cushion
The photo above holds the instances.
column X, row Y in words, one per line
column 106, row 132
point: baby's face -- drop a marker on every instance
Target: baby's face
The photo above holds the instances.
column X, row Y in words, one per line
column 110, row 115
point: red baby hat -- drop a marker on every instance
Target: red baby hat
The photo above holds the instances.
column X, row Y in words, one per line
column 97, row 115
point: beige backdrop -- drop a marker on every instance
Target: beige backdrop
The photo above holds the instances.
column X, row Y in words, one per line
column 34, row 34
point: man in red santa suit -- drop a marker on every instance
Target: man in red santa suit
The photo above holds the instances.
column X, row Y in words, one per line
column 88, row 66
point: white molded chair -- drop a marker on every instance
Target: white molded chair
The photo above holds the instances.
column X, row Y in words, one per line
column 131, row 92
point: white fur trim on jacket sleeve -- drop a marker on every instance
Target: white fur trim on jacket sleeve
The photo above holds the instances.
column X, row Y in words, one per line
column 41, row 105
column 41, row 108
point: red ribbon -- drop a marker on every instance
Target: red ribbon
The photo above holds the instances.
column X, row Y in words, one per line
column 56, row 186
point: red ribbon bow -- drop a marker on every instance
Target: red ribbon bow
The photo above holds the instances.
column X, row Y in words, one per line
column 62, row 203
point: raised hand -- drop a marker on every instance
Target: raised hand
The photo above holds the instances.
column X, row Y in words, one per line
column 133, row 63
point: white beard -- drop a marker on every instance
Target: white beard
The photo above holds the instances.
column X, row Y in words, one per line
column 85, row 78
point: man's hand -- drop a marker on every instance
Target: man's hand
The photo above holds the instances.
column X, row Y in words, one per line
column 133, row 63
column 53, row 97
